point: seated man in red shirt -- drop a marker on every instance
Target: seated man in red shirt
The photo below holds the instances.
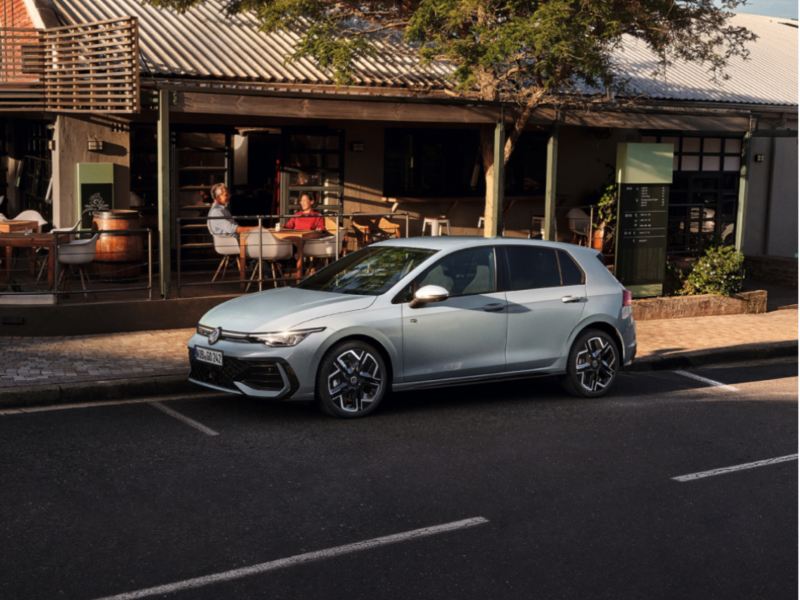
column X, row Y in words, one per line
column 306, row 219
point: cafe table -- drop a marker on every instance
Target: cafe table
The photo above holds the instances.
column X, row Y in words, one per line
column 295, row 236
column 30, row 240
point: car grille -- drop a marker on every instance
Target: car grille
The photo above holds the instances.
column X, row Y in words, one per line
column 261, row 374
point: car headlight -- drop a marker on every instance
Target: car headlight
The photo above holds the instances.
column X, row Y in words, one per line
column 285, row 339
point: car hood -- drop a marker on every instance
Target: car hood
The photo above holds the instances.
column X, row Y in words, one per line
column 280, row 309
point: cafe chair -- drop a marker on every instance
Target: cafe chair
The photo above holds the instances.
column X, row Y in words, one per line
column 63, row 235
column 323, row 248
column 225, row 246
column 75, row 255
column 578, row 223
column 272, row 250
column 32, row 215
column 367, row 230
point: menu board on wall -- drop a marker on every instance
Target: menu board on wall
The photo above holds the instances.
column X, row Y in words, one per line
column 642, row 237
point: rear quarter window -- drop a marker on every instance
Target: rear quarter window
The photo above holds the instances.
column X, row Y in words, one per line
column 571, row 273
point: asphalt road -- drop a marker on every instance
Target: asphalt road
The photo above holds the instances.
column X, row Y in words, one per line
column 575, row 498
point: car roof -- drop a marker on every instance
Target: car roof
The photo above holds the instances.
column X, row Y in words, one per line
column 461, row 242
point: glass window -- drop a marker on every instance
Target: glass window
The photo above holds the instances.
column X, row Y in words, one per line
column 571, row 273
column 691, row 144
column 732, row 163
column 712, row 145
column 531, row 267
column 690, row 163
column 368, row 272
column 432, row 163
column 461, row 273
column 733, row 146
column 711, row 163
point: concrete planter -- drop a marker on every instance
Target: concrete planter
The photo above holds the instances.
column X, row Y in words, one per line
column 705, row 305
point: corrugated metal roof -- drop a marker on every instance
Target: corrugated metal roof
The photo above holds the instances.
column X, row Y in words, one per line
column 206, row 42
column 768, row 77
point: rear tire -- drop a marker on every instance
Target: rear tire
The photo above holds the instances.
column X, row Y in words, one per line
column 352, row 380
column 592, row 365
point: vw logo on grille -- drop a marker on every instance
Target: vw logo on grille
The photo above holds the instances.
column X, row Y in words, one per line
column 213, row 336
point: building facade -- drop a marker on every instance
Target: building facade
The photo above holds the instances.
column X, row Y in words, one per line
column 198, row 111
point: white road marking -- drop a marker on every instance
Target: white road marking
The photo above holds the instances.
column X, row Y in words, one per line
column 74, row 405
column 706, row 380
column 724, row 470
column 299, row 559
column 183, row 418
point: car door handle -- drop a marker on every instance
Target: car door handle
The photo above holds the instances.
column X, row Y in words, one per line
column 494, row 307
column 571, row 299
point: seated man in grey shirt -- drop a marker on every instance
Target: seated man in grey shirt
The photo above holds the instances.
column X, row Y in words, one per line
column 223, row 224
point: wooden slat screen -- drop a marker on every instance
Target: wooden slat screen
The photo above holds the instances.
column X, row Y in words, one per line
column 81, row 68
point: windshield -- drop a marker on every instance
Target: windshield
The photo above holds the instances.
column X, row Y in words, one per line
column 369, row 272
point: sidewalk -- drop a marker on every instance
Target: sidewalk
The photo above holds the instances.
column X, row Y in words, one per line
column 70, row 369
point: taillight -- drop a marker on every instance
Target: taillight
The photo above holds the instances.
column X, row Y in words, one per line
column 627, row 298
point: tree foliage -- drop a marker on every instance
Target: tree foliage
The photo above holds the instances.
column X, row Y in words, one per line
column 519, row 51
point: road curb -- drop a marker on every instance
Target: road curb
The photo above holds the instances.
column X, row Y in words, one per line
column 177, row 382
column 705, row 357
column 97, row 391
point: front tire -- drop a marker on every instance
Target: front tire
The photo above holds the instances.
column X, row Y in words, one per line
column 592, row 365
column 352, row 380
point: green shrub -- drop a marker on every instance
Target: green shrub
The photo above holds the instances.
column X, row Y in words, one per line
column 718, row 271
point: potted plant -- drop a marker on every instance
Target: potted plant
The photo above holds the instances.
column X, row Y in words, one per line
column 605, row 214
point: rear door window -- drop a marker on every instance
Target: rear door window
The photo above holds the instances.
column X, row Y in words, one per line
column 530, row 267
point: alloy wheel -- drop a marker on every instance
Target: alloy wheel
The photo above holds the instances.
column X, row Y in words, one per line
column 355, row 380
column 595, row 364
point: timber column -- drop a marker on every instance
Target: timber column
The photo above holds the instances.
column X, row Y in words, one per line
column 164, row 224
column 494, row 198
column 550, row 185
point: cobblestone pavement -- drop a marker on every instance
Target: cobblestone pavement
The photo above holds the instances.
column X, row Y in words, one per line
column 30, row 361
column 668, row 337
column 44, row 360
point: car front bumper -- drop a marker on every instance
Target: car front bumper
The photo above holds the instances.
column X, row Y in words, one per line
column 254, row 369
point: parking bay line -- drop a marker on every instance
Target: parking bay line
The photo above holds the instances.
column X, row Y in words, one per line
column 183, row 418
column 706, row 380
column 724, row 470
column 299, row 559
column 24, row 410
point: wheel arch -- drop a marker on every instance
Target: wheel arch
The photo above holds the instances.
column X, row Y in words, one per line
column 605, row 327
column 379, row 345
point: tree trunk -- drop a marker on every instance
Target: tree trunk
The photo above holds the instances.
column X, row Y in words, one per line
column 487, row 152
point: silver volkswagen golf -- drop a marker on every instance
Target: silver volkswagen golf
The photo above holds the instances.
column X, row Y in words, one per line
column 422, row 312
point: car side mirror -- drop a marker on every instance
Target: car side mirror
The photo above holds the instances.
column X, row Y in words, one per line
column 427, row 294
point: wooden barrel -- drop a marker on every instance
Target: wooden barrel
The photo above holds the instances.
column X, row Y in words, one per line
column 119, row 256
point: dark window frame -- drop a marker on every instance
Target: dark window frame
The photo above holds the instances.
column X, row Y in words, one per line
column 694, row 192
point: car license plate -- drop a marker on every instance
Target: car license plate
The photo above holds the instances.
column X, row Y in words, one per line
column 206, row 355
